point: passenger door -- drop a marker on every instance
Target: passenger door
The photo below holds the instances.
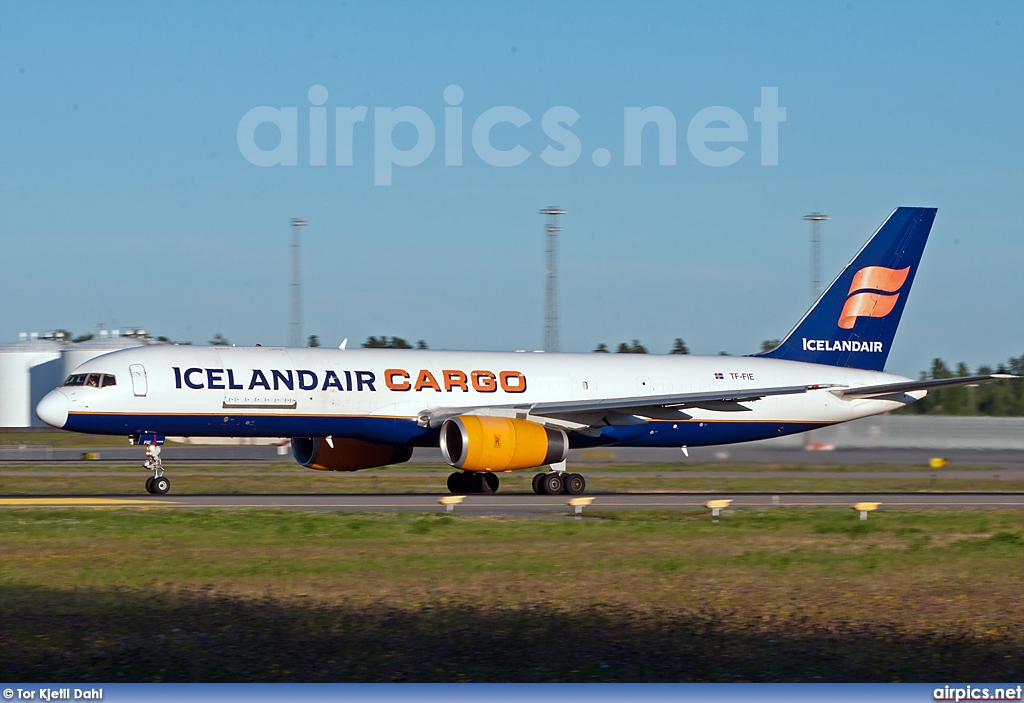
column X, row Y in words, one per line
column 140, row 386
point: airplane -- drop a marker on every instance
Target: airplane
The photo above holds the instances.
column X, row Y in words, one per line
column 494, row 412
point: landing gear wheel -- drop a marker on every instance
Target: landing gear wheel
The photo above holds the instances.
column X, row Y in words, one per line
column 160, row 485
column 552, row 483
column 537, row 478
column 464, row 483
column 489, row 483
column 454, row 485
column 575, row 484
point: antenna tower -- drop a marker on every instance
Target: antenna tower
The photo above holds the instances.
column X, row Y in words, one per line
column 551, row 342
column 815, row 218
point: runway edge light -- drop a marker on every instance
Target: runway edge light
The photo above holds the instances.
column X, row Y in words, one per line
column 716, row 507
column 449, row 502
column 865, row 508
column 577, row 505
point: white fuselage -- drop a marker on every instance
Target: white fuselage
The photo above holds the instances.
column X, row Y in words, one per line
column 388, row 396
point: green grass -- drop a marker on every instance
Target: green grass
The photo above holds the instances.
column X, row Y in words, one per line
column 781, row 594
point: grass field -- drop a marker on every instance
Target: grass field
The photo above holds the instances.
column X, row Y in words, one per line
column 765, row 595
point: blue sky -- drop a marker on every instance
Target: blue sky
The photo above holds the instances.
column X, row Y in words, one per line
column 127, row 200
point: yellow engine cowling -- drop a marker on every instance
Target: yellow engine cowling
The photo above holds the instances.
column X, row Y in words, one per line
column 346, row 454
column 481, row 443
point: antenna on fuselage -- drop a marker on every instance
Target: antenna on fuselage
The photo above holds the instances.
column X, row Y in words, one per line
column 344, row 342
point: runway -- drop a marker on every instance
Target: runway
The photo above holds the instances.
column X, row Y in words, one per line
column 528, row 505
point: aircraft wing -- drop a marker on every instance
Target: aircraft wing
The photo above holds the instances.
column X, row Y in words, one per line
column 906, row 386
column 624, row 411
column 677, row 401
column 631, row 410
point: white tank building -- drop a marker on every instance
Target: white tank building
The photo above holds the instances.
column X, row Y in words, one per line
column 36, row 364
column 74, row 355
column 29, row 369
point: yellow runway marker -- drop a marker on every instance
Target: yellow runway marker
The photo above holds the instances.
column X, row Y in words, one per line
column 80, row 501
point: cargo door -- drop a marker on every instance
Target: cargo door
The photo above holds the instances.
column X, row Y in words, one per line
column 252, row 384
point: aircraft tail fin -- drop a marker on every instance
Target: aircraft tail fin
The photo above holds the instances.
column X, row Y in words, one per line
column 854, row 321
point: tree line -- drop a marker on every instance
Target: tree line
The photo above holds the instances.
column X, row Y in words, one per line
column 635, row 347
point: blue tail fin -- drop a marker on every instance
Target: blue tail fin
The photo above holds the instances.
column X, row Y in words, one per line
column 854, row 321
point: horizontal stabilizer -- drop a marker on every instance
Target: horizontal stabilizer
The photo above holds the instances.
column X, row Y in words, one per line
column 906, row 387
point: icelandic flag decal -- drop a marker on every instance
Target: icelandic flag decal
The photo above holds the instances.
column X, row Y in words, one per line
column 720, row 376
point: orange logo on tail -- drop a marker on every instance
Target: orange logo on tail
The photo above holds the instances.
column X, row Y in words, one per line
column 878, row 278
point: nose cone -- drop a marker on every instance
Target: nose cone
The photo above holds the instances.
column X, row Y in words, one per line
column 53, row 409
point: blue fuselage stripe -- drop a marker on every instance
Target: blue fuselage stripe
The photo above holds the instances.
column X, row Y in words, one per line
column 391, row 430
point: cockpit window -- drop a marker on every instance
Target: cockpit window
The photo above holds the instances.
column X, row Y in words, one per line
column 94, row 380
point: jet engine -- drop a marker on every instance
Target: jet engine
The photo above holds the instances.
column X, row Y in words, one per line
column 483, row 443
column 346, row 454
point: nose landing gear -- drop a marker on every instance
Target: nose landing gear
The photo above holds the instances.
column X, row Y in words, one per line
column 158, row 484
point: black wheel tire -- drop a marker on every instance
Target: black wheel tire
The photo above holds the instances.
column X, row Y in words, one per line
column 537, row 478
column 480, row 484
column 149, row 485
column 453, row 482
column 161, row 485
column 464, row 483
column 552, row 483
column 575, row 484
column 489, row 482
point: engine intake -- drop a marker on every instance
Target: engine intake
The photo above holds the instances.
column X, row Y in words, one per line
column 346, row 454
column 483, row 443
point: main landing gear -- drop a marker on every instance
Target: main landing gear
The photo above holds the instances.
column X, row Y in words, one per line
column 551, row 483
column 158, row 484
column 473, row 482
column 555, row 482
